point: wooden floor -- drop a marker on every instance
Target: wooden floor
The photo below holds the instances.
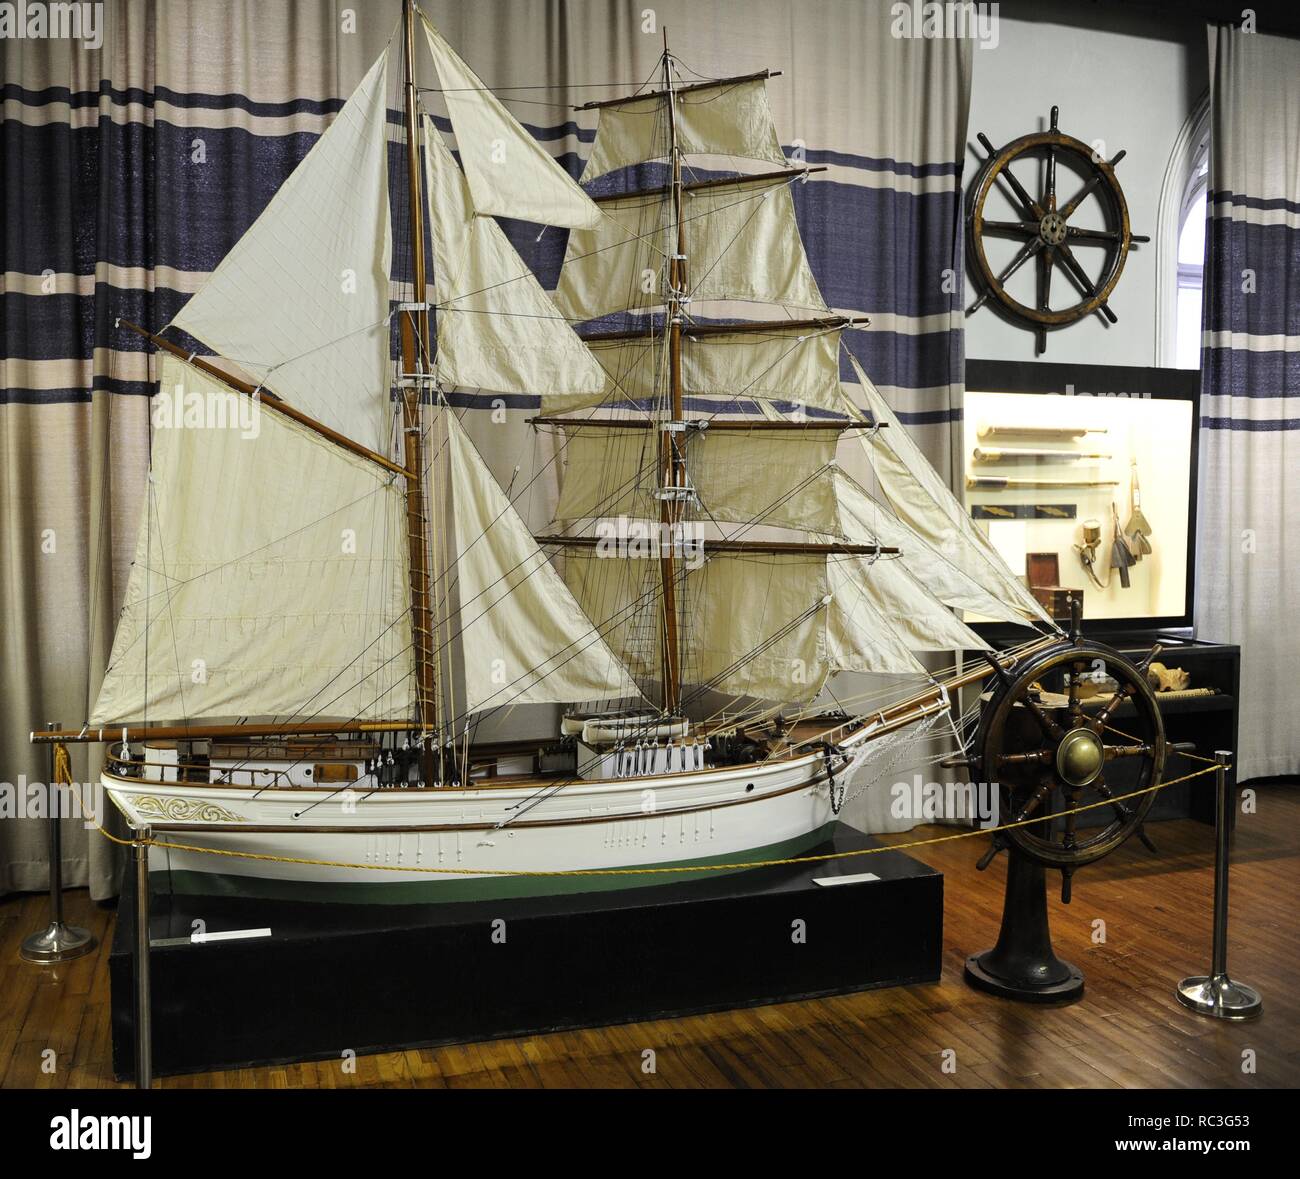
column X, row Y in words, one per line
column 1127, row 1031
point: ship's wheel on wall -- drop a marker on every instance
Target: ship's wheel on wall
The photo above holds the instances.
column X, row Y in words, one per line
column 1006, row 231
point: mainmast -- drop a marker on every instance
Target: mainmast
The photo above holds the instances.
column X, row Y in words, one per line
column 416, row 366
column 672, row 483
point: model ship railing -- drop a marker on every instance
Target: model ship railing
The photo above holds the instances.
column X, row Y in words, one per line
column 188, row 773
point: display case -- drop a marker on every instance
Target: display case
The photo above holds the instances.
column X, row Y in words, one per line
column 1083, row 477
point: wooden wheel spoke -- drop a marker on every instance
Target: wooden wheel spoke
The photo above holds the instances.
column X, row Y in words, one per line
column 1049, row 199
column 1048, row 261
column 1072, row 674
column 1032, row 207
column 1036, row 756
column 1099, row 785
column 1069, row 840
column 1036, row 800
column 1102, row 718
column 1027, row 251
column 1113, row 752
column 1072, row 264
column 1010, row 228
column 1092, row 235
column 1081, row 277
column 1050, row 728
column 1080, row 197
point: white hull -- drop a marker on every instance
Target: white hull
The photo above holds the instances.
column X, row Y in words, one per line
column 447, row 842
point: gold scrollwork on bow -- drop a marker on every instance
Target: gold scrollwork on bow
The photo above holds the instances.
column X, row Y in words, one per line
column 183, row 810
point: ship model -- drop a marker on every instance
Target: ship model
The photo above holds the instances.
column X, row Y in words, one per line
column 324, row 611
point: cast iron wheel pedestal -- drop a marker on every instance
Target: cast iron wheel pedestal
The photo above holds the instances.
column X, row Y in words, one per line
column 1023, row 965
column 1048, row 750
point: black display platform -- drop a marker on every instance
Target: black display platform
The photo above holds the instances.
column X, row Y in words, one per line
column 375, row 978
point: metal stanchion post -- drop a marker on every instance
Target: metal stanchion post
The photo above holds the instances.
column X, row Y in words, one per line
column 143, row 1006
column 1216, row 994
column 57, row 942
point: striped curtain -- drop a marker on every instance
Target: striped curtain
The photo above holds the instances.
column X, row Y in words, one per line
column 129, row 170
column 1248, row 591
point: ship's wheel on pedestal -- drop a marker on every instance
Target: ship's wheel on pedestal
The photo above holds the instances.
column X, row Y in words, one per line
column 1041, row 230
column 1053, row 743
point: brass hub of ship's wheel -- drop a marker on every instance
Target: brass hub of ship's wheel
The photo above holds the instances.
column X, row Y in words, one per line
column 1048, row 233
column 1080, row 757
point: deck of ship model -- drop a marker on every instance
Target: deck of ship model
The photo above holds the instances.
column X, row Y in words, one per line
column 799, row 739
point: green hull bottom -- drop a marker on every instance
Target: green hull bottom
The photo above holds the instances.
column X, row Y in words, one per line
column 453, row 888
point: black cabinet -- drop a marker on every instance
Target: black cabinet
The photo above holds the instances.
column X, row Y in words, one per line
column 1207, row 722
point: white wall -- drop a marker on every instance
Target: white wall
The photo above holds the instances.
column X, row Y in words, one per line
column 1128, row 79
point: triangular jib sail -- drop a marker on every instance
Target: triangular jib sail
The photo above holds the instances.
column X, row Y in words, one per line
column 508, row 174
column 523, row 637
column 497, row 328
column 301, row 300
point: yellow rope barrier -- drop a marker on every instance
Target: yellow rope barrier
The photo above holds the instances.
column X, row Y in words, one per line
column 63, row 764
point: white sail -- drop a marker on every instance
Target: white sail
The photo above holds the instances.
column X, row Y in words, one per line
column 921, row 499
column 771, row 605
column 916, row 616
column 777, row 607
column 787, row 365
column 497, row 328
column 783, row 479
column 622, row 599
column 742, row 244
column 608, row 472
column 270, row 574
column 769, row 626
column 509, row 175
column 866, row 522
column 301, row 300
column 730, row 119
column 524, row 638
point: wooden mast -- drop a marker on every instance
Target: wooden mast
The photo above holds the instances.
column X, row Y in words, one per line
column 416, row 352
column 670, row 464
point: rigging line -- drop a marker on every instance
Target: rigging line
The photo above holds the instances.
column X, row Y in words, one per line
column 537, row 568
column 756, row 710
column 344, row 725
column 781, row 633
column 435, row 457
column 298, row 714
column 493, row 709
column 148, row 559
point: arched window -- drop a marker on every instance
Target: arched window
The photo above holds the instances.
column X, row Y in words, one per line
column 1191, row 267
column 1180, row 250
